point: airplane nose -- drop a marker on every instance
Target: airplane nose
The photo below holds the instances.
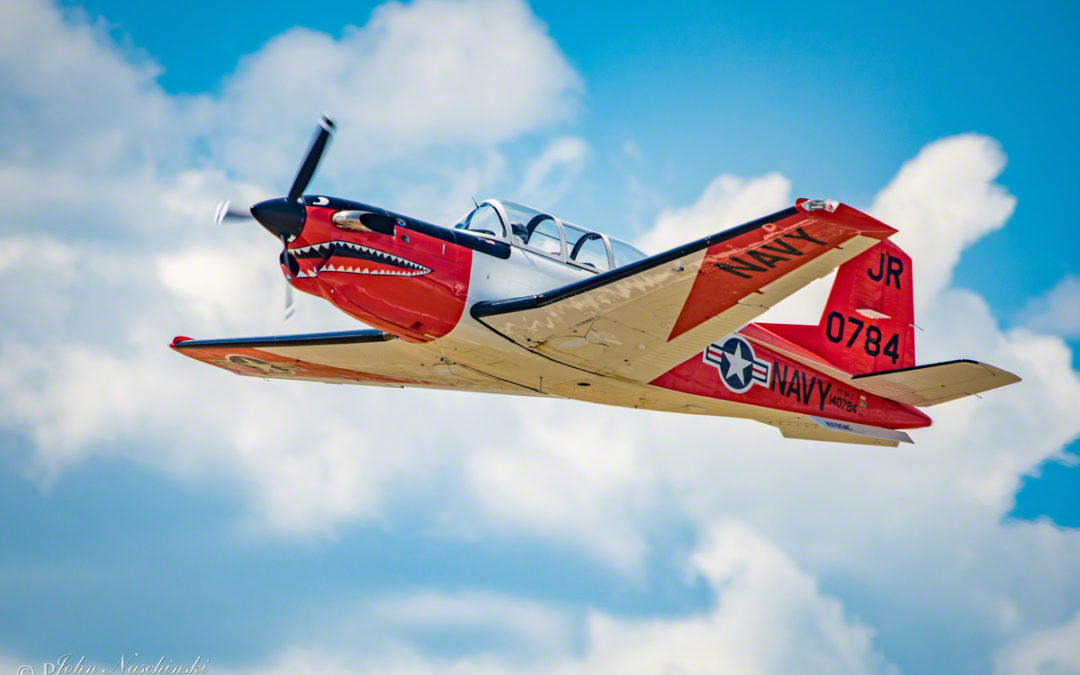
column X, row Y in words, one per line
column 280, row 217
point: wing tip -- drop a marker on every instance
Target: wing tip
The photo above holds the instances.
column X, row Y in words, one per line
column 865, row 223
column 178, row 339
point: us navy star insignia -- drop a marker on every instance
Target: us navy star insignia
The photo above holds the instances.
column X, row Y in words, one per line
column 739, row 367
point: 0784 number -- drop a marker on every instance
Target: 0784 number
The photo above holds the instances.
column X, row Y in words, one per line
column 837, row 326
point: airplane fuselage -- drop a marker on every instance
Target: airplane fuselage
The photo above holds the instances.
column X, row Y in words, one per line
column 419, row 281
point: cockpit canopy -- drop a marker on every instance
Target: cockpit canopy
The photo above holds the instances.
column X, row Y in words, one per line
column 539, row 232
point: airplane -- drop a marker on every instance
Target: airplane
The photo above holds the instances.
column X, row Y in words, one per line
column 514, row 300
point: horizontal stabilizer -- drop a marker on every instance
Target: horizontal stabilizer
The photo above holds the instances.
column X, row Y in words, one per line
column 935, row 383
column 813, row 428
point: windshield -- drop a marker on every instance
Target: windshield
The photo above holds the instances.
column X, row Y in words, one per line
column 484, row 220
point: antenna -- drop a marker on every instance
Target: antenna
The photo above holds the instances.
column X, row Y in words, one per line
column 474, row 202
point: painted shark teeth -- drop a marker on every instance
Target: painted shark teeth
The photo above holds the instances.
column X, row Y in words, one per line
column 408, row 267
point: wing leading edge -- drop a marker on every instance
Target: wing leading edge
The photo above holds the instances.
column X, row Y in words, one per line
column 639, row 321
column 368, row 357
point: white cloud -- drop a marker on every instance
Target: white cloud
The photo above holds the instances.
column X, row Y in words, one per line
column 430, row 73
column 1058, row 311
column 87, row 371
column 531, row 628
column 726, row 202
column 553, row 172
column 1051, row 650
column 70, row 92
column 942, row 201
column 225, row 285
column 770, row 617
column 578, row 480
column 88, row 125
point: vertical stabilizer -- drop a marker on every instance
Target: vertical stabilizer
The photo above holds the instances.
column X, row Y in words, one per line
column 868, row 322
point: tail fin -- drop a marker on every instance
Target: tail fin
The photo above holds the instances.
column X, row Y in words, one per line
column 868, row 322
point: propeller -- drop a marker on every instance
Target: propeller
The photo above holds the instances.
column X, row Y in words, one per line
column 225, row 211
column 307, row 169
column 284, row 217
column 290, row 264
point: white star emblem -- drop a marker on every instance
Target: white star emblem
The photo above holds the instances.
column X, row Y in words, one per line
column 737, row 365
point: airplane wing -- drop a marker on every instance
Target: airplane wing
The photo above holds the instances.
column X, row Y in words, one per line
column 368, row 357
column 639, row 321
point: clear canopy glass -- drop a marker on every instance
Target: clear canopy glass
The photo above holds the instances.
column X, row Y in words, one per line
column 540, row 232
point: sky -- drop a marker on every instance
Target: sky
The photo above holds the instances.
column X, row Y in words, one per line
column 153, row 506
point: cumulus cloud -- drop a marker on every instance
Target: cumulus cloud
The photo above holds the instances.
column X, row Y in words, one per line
column 531, row 629
column 595, row 491
column 427, row 73
column 553, row 172
column 128, row 258
column 769, row 616
column 1055, row 649
column 942, row 201
column 71, row 93
column 1058, row 311
column 726, row 202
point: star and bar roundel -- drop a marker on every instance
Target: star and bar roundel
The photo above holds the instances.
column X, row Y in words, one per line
column 739, row 367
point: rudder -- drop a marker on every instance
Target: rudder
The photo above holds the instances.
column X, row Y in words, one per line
column 868, row 322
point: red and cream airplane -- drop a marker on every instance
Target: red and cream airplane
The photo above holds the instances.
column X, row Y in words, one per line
column 512, row 300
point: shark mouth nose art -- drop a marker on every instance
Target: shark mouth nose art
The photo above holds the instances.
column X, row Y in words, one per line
column 350, row 258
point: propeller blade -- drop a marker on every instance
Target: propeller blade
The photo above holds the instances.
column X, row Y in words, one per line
column 307, row 169
column 289, row 307
column 287, row 260
column 226, row 212
column 294, row 268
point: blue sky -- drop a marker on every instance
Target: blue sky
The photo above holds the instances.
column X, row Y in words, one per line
column 153, row 507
